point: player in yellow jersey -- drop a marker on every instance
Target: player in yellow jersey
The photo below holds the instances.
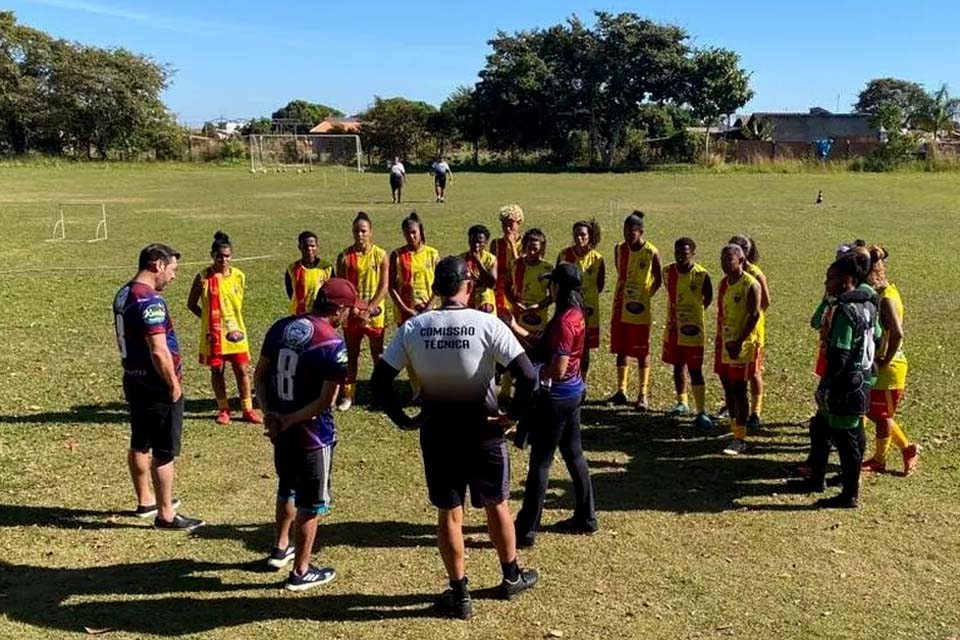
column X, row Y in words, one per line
column 752, row 253
column 689, row 293
column 411, row 278
column 216, row 297
column 303, row 278
column 639, row 277
column 891, row 362
column 366, row 267
column 507, row 249
column 483, row 267
column 738, row 313
column 583, row 253
column 528, row 291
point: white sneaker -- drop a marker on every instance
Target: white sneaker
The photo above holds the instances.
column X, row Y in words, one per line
column 344, row 403
column 735, row 448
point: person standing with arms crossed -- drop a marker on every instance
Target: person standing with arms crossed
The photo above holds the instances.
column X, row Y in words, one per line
column 454, row 350
column 583, row 253
column 216, row 297
column 483, row 269
column 152, row 374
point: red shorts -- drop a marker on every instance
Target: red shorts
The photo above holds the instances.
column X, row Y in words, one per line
column 755, row 367
column 593, row 338
column 360, row 330
column 736, row 373
column 215, row 362
column 631, row 340
column 691, row 357
column 884, row 403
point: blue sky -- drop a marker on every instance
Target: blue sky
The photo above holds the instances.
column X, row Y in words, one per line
column 245, row 58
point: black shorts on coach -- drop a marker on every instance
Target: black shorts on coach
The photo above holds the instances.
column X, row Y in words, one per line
column 457, row 455
column 156, row 423
column 304, row 475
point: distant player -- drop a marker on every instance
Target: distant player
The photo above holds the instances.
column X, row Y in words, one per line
column 689, row 293
column 366, row 267
column 639, row 277
column 749, row 246
column 583, row 253
column 303, row 278
column 483, row 267
column 529, row 290
column 738, row 312
column 398, row 177
column 216, row 297
column 301, row 366
column 441, row 172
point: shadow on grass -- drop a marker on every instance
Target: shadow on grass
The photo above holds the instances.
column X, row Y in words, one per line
column 46, row 597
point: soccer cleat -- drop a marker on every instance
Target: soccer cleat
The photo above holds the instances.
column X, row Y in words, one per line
column 910, row 458
column 151, row 510
column 642, row 404
column 449, row 605
column 314, row 577
column 679, row 409
column 619, row 399
column 753, row 423
column 574, row 527
column 223, row 416
column 179, row 523
column 252, row 416
column 735, row 448
column 838, row 502
column 527, row 579
column 279, row 558
column 702, row 421
column 344, row 403
column 874, row 466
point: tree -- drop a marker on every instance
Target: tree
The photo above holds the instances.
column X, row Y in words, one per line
column 305, row 115
column 938, row 112
column 717, row 86
column 905, row 95
column 439, row 124
column 258, row 126
column 395, row 127
column 464, row 111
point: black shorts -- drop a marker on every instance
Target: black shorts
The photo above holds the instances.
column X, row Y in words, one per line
column 156, row 423
column 396, row 180
column 304, row 476
column 457, row 456
column 440, row 180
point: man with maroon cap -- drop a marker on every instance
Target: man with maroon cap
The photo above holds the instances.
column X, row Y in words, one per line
column 302, row 365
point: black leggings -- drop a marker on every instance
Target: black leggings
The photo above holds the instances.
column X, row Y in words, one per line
column 557, row 425
column 850, row 444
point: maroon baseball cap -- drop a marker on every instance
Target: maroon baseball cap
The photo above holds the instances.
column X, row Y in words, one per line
column 339, row 292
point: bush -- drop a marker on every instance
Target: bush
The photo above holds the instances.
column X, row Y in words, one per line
column 232, row 149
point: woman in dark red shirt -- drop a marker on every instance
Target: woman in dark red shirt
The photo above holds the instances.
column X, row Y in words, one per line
column 555, row 420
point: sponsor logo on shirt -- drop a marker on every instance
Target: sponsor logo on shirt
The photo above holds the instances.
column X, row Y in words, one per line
column 154, row 314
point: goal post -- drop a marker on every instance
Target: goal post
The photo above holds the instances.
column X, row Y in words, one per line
column 282, row 152
column 83, row 212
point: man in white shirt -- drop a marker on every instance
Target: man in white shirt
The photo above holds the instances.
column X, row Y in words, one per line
column 454, row 351
column 440, row 170
column 398, row 176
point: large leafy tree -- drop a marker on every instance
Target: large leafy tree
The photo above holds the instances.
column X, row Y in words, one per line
column 717, row 86
column 465, row 115
column 395, row 127
column 939, row 113
column 305, row 114
column 907, row 96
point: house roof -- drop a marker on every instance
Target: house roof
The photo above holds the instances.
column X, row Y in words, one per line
column 817, row 125
column 350, row 125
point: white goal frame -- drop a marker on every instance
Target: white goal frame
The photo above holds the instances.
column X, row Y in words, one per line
column 59, row 233
column 307, row 149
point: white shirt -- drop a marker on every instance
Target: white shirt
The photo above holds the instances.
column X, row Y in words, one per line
column 397, row 168
column 454, row 353
column 441, row 168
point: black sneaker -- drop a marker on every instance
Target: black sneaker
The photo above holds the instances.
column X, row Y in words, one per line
column 279, row 558
column 448, row 605
column 314, row 577
column 753, row 423
column 526, row 541
column 179, row 523
column 619, row 399
column 838, row 502
column 510, row 590
column 150, row 510
column 804, row 485
column 575, row 527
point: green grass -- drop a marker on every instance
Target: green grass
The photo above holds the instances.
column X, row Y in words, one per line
column 693, row 545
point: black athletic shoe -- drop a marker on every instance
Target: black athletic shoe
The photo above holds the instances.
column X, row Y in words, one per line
column 834, row 480
column 179, row 523
column 804, row 485
column 510, row 590
column 279, row 558
column 753, row 423
column 575, row 527
column 619, row 399
column 526, row 541
column 314, row 577
column 838, row 502
column 150, row 510
column 448, row 605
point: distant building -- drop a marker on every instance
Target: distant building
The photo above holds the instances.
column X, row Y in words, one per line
column 338, row 125
column 818, row 124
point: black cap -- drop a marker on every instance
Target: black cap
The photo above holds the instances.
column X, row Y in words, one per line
column 566, row 276
column 449, row 274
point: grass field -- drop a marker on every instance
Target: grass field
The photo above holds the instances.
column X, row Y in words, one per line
column 693, row 544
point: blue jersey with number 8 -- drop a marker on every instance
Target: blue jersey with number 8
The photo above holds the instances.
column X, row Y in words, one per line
column 304, row 352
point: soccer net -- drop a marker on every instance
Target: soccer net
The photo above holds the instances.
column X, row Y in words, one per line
column 282, row 152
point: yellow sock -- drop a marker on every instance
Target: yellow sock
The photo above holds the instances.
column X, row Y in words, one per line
column 880, row 448
column 246, row 403
column 700, row 397
column 756, row 401
column 223, row 404
column 348, row 390
column 622, row 379
column 682, row 398
column 898, row 436
column 739, row 431
column 644, row 380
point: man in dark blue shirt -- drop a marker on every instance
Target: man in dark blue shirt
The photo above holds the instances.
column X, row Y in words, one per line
column 302, row 365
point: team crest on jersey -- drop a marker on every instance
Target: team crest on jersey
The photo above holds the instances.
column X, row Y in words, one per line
column 298, row 332
column 635, row 307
